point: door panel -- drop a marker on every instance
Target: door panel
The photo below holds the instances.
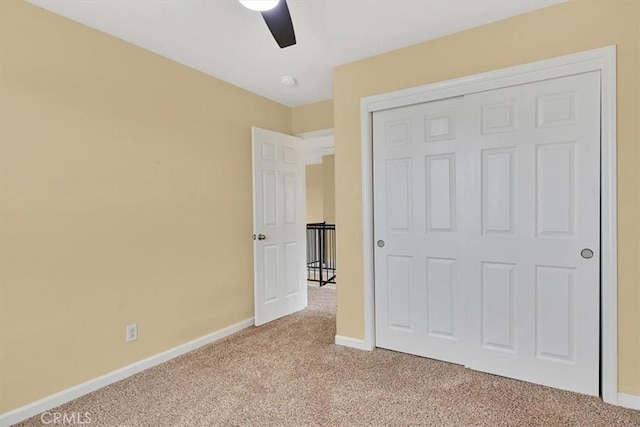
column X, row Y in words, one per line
column 554, row 312
column 269, row 198
column 279, row 212
column 440, row 192
column 484, row 203
column 555, row 189
column 441, row 284
column 498, row 190
column 419, row 301
column 497, row 306
column 399, row 307
column 532, row 205
column 271, row 258
column 399, row 208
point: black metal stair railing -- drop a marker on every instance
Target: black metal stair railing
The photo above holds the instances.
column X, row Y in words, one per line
column 321, row 253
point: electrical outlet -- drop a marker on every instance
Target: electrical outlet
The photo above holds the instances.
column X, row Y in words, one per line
column 132, row 332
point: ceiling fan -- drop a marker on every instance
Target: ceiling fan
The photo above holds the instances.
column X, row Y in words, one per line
column 277, row 17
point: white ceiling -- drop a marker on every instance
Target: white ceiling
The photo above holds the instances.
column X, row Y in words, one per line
column 224, row 39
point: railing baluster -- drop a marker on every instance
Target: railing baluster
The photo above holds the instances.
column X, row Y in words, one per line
column 321, row 253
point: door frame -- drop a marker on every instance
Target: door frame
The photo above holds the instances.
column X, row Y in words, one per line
column 602, row 60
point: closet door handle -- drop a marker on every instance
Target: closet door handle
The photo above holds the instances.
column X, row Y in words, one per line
column 586, row 253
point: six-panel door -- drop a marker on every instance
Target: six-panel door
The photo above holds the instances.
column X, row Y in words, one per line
column 533, row 181
column 419, row 299
column 279, row 225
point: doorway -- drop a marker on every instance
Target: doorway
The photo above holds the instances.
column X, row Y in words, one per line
column 280, row 234
column 320, row 199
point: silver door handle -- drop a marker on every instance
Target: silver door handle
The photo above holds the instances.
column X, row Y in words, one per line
column 261, row 236
column 380, row 243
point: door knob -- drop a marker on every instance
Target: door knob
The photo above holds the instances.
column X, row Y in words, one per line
column 380, row 243
column 586, row 253
column 261, row 236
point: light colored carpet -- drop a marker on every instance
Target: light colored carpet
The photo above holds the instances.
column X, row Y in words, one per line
column 289, row 373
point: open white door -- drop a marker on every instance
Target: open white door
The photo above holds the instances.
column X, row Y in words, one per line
column 280, row 286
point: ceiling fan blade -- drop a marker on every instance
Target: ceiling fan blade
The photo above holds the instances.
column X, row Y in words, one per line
column 279, row 22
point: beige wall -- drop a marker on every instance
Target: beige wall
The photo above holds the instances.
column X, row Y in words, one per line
column 321, row 191
column 115, row 184
column 558, row 30
column 329, row 187
column 125, row 197
column 315, row 193
column 312, row 117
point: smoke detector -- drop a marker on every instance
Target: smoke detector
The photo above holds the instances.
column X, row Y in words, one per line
column 288, row 81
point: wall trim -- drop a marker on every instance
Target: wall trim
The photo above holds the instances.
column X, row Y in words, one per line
column 315, row 133
column 629, row 401
column 603, row 60
column 353, row 343
column 27, row 411
column 317, row 144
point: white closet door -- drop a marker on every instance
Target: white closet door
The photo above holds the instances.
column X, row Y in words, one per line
column 487, row 224
column 532, row 178
column 418, row 189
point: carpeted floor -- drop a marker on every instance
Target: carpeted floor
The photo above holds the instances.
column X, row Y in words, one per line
column 289, row 373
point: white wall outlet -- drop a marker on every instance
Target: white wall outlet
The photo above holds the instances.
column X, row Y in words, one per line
column 132, row 332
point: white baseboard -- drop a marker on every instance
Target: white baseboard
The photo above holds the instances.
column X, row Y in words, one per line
column 353, row 343
column 629, row 401
column 50, row 402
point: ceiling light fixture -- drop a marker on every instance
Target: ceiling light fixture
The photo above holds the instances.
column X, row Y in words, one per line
column 259, row 5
